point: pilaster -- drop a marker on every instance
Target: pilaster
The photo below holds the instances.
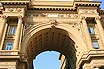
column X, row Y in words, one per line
column 86, row 33
column 100, row 28
column 17, row 34
column 2, row 28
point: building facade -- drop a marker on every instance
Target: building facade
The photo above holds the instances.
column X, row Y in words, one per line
column 73, row 28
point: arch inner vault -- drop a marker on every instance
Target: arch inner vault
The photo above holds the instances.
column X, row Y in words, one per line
column 52, row 39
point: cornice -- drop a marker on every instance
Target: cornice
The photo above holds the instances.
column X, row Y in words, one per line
column 52, row 9
column 62, row 3
column 14, row 2
column 88, row 3
column 52, row 5
column 61, row 6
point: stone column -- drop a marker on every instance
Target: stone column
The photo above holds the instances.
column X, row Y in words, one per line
column 100, row 28
column 2, row 27
column 86, row 33
column 17, row 34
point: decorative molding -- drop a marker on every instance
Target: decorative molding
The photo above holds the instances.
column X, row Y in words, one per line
column 53, row 22
column 14, row 10
column 97, row 18
column 83, row 17
column 3, row 16
column 56, row 15
column 20, row 17
column 27, row 26
column 6, row 64
column 77, row 26
column 88, row 11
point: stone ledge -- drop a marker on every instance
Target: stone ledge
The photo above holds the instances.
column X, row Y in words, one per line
column 14, row 0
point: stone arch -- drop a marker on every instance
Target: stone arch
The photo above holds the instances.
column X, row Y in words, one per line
column 68, row 31
column 74, row 35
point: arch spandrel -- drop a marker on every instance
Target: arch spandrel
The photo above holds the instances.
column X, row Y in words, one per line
column 74, row 35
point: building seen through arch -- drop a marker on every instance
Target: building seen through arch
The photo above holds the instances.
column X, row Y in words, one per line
column 72, row 27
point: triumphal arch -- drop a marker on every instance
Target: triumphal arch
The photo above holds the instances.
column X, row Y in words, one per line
column 75, row 28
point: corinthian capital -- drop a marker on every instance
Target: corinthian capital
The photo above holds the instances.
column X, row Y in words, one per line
column 84, row 17
column 4, row 17
column 20, row 17
column 97, row 18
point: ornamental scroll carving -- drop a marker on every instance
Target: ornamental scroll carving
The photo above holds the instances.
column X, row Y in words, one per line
column 14, row 9
column 55, row 15
column 53, row 22
column 87, row 11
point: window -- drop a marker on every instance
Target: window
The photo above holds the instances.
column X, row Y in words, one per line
column 9, row 46
column 91, row 30
column 95, row 44
column 12, row 30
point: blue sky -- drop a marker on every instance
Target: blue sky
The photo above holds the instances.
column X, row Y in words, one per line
column 102, row 5
column 49, row 59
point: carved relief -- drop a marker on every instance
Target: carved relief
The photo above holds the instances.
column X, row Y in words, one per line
column 14, row 9
column 53, row 22
column 87, row 11
column 54, row 15
column 39, row 15
column 76, row 26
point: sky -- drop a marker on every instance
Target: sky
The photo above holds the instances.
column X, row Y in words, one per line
column 47, row 60
column 102, row 5
column 50, row 59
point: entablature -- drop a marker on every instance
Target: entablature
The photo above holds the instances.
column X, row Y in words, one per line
column 52, row 5
column 14, row 1
column 41, row 17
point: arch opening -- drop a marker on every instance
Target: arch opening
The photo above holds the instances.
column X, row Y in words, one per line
column 47, row 60
column 52, row 39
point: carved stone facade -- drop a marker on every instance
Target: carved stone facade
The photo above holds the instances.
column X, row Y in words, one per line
column 73, row 28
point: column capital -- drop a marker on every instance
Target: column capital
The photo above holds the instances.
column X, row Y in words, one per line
column 97, row 66
column 4, row 16
column 97, row 18
column 83, row 17
column 20, row 17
